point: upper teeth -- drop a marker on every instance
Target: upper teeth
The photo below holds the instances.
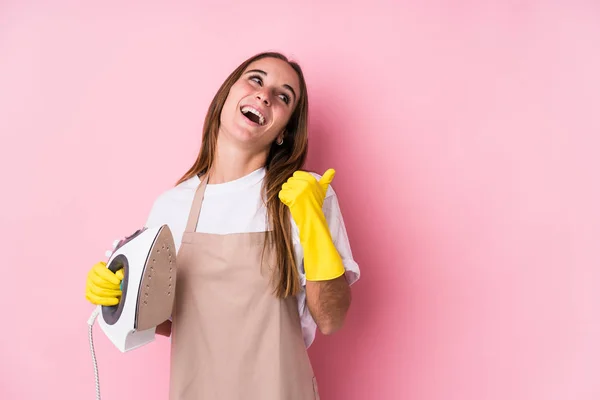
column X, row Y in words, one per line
column 261, row 118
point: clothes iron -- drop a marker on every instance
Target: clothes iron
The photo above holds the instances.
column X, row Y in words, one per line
column 148, row 257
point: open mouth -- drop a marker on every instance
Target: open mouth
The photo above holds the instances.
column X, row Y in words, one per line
column 253, row 115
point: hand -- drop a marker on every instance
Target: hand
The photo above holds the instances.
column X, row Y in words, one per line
column 103, row 286
column 303, row 189
column 304, row 196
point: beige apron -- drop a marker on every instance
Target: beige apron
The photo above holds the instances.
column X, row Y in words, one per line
column 231, row 337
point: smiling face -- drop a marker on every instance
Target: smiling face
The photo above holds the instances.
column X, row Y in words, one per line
column 260, row 103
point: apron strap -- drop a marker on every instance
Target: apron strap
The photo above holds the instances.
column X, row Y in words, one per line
column 196, row 205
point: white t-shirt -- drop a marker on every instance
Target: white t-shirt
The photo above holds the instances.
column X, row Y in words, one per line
column 237, row 207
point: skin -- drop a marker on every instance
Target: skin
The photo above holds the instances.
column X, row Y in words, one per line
column 242, row 147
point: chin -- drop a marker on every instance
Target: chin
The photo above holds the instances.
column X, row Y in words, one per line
column 238, row 131
column 244, row 137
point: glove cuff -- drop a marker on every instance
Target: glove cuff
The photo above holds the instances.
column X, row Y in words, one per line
column 321, row 259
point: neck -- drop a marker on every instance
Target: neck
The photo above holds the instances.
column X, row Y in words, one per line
column 232, row 162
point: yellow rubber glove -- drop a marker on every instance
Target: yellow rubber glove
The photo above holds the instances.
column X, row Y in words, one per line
column 103, row 286
column 304, row 196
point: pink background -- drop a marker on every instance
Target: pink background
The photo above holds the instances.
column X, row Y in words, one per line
column 465, row 136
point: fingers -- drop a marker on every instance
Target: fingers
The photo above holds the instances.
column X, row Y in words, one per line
column 103, row 285
column 101, row 292
column 101, row 301
column 327, row 177
column 104, row 274
column 100, row 282
column 286, row 196
column 301, row 180
column 302, row 175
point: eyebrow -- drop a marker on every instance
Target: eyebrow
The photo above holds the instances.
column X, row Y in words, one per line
column 260, row 71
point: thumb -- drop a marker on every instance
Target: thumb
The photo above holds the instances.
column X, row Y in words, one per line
column 327, row 177
column 120, row 274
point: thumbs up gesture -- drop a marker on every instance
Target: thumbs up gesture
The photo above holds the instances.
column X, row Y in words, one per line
column 304, row 195
column 303, row 189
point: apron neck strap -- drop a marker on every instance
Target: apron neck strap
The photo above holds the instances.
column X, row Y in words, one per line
column 197, row 205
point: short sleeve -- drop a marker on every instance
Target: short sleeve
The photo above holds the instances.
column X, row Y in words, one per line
column 155, row 217
column 335, row 221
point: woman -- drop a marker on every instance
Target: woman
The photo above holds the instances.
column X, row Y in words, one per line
column 263, row 256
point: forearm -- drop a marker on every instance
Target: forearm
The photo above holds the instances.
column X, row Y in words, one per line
column 328, row 302
column 327, row 290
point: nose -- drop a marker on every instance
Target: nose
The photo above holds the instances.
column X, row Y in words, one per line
column 264, row 97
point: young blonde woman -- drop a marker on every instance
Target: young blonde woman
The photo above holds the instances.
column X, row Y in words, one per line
column 263, row 256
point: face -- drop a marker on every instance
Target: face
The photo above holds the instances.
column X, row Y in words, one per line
column 260, row 104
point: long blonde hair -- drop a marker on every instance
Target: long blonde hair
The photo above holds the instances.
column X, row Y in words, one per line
column 282, row 161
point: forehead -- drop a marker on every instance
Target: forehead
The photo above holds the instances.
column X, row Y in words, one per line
column 278, row 71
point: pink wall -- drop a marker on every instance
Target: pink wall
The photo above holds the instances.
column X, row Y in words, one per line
column 465, row 137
